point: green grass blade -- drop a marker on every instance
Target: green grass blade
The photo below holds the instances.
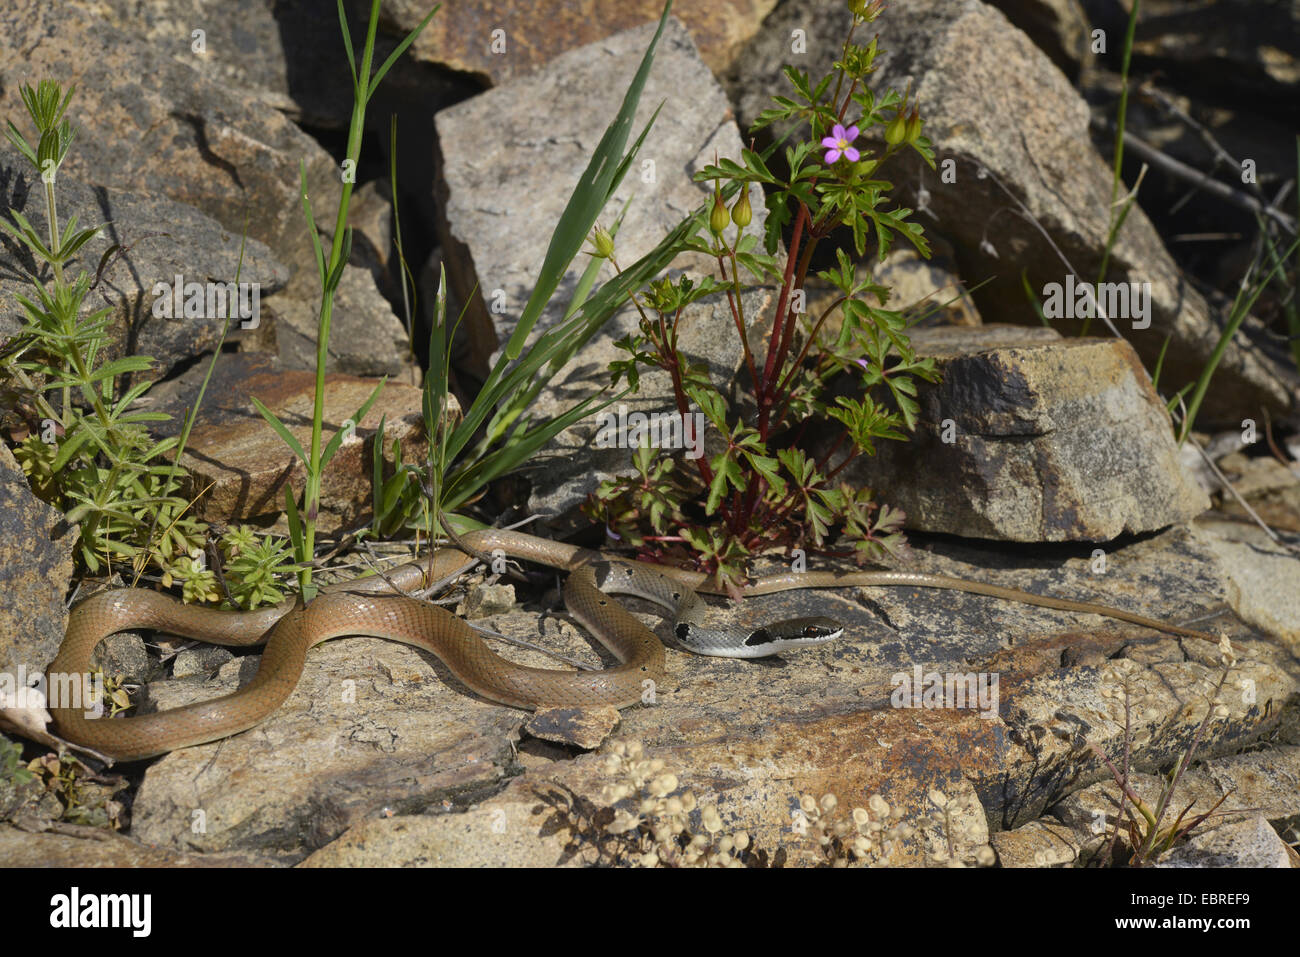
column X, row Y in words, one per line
column 347, row 46
column 336, row 440
column 311, row 220
column 280, row 428
column 401, row 48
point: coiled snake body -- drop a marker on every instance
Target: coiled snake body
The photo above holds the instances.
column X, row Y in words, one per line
column 369, row 607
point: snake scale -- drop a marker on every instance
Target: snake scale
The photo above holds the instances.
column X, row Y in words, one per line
column 370, row 607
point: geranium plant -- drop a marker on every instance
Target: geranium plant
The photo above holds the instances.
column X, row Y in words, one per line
column 770, row 487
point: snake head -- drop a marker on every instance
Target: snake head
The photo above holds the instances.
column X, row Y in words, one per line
column 789, row 635
column 794, row 633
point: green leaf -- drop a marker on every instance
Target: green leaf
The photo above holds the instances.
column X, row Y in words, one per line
column 401, row 48
column 347, row 46
column 311, row 221
column 336, row 439
column 280, row 429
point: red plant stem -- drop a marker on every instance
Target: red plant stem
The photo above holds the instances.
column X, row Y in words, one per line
column 783, row 386
column 793, row 320
column 668, row 351
column 783, row 303
column 825, row 460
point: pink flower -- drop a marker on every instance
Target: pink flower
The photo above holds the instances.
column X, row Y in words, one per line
column 838, row 143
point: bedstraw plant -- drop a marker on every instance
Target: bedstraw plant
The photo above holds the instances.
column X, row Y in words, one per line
column 88, row 450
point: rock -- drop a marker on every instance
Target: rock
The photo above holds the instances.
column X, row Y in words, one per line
column 584, row 728
column 992, row 101
column 499, row 41
column 503, row 199
column 1255, row 787
column 1248, row 843
column 371, row 725
column 200, row 661
column 506, row 832
column 1267, row 782
column 247, row 464
column 93, row 847
column 1037, row 844
column 370, row 214
column 148, row 226
column 193, row 140
column 35, row 577
column 1259, row 784
column 1263, row 578
column 929, row 292
column 1030, row 437
column 956, row 830
column 484, row 601
column 285, row 53
column 1058, row 27
column 124, row 654
column 366, row 337
column 378, row 742
column 1270, row 488
column 1242, row 51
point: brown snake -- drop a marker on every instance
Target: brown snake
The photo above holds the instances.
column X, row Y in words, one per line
column 363, row 608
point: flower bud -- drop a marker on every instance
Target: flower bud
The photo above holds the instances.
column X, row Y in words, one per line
column 719, row 218
column 742, row 214
column 603, row 241
column 896, row 131
column 866, row 10
column 914, row 126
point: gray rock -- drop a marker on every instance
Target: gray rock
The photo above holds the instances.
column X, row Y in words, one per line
column 35, row 575
column 1058, row 27
column 1031, row 437
column 1037, row 844
column 582, row 727
column 1248, row 843
column 370, row 214
column 464, row 38
column 372, row 725
column 162, row 239
column 285, row 52
column 752, row 734
column 509, row 830
column 366, row 337
column 91, row 847
column 1263, row 784
column 503, row 197
column 1263, row 577
column 992, row 101
column 125, row 654
column 484, row 601
column 193, row 139
column 200, row 661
